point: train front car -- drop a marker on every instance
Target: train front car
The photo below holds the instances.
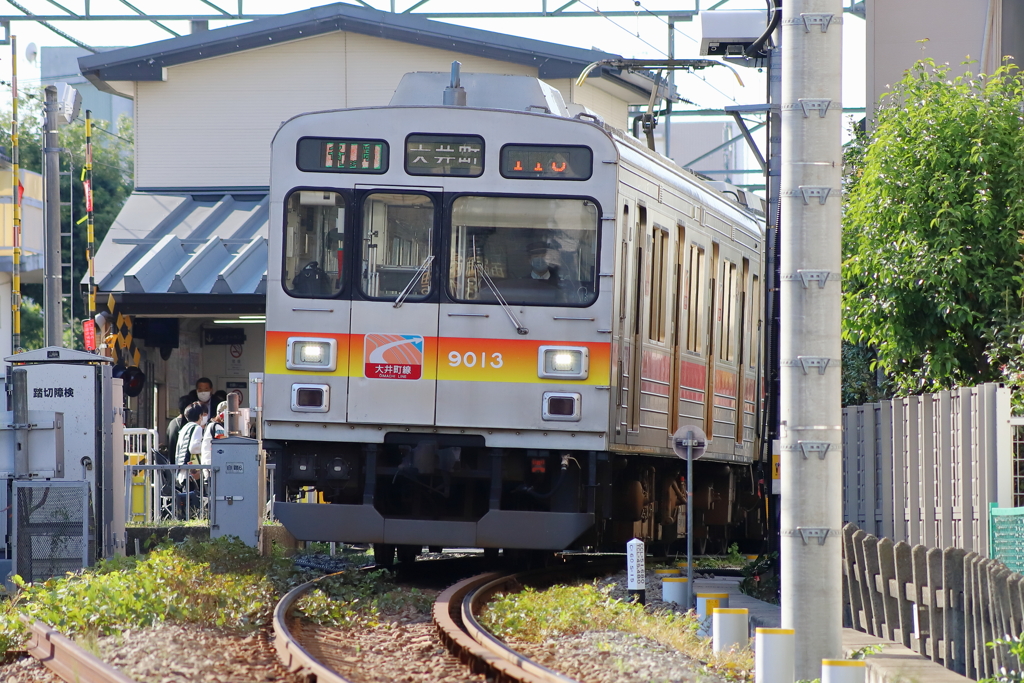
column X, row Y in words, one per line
column 439, row 300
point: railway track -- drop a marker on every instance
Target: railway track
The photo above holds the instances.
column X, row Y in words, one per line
column 454, row 615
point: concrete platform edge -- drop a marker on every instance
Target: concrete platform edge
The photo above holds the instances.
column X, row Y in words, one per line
column 896, row 663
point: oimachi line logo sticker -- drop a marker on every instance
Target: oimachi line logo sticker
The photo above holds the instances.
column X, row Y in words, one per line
column 393, row 356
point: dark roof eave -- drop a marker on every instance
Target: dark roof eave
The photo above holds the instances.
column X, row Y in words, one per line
column 146, row 62
column 132, row 303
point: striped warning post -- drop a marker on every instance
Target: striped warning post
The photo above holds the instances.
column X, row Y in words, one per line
column 774, row 655
column 843, row 670
column 730, row 629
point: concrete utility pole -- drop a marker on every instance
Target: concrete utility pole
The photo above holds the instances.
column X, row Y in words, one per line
column 53, row 305
column 810, row 409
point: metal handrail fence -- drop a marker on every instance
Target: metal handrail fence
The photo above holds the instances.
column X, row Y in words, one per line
column 172, row 492
column 944, row 604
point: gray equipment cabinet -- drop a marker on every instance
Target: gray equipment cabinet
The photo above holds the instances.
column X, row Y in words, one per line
column 236, row 489
column 66, row 500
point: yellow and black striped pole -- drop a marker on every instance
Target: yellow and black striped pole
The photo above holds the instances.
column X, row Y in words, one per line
column 16, row 204
column 121, row 340
column 90, row 229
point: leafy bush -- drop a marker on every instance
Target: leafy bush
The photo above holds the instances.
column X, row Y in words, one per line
column 222, row 582
column 761, row 578
column 933, row 271
column 1015, row 646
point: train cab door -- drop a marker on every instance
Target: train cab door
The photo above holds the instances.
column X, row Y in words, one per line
column 392, row 362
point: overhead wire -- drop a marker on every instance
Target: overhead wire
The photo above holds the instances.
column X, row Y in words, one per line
column 654, row 47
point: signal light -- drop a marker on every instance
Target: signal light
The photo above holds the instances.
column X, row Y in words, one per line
column 133, row 379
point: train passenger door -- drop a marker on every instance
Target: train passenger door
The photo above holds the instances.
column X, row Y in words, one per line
column 393, row 358
column 742, row 350
column 636, row 326
column 678, row 328
column 713, row 318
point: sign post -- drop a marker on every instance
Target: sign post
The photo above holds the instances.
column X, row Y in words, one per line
column 636, row 571
column 689, row 442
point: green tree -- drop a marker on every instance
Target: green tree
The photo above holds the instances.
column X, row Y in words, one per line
column 933, row 271
column 112, row 179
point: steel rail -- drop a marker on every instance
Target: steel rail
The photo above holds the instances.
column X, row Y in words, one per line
column 289, row 651
column 455, row 610
column 63, row 657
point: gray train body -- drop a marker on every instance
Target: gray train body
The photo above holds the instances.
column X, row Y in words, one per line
column 484, row 325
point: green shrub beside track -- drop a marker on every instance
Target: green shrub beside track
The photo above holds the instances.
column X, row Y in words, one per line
column 221, row 582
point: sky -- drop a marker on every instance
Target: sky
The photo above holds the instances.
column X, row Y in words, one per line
column 639, row 35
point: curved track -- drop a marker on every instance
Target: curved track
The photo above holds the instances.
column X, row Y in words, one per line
column 289, row 650
column 455, row 613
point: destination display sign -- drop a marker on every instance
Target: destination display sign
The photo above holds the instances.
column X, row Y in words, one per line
column 342, row 156
column 548, row 162
column 459, row 155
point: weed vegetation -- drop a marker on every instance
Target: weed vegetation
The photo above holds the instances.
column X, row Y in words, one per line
column 731, row 560
column 221, row 582
column 535, row 616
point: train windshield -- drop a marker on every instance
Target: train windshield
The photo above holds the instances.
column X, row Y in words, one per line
column 314, row 231
column 397, row 245
column 525, row 250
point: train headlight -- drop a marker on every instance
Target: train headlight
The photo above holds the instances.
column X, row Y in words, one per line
column 563, row 362
column 312, row 353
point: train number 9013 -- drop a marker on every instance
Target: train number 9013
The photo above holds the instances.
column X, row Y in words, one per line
column 470, row 359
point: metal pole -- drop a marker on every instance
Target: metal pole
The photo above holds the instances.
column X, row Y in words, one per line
column 52, row 288
column 231, row 421
column 810, row 411
column 771, row 277
column 689, row 519
column 20, row 406
column 90, row 226
column 16, row 198
column 671, row 83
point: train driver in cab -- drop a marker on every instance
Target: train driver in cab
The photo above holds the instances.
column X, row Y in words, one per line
column 541, row 266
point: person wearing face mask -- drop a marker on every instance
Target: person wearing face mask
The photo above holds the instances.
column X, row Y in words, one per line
column 544, row 283
column 204, row 393
column 540, row 267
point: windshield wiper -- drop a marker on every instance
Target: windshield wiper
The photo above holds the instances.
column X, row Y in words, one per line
column 415, row 276
column 501, row 300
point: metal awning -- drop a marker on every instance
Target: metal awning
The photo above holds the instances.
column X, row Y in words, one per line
column 173, row 247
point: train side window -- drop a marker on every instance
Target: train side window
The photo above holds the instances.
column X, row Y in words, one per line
column 659, row 254
column 727, row 324
column 397, row 245
column 313, row 245
column 695, row 287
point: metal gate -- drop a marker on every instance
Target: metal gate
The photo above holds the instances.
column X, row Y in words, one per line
column 1006, row 537
column 51, row 528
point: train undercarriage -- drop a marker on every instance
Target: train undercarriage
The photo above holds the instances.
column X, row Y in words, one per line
column 422, row 490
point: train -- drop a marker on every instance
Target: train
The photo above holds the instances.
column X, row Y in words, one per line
column 485, row 323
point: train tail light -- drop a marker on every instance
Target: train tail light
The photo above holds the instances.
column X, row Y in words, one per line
column 311, row 398
column 561, row 407
column 563, row 362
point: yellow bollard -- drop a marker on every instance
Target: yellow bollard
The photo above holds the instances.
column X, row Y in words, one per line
column 730, row 628
column 843, row 670
column 706, row 602
column 774, row 655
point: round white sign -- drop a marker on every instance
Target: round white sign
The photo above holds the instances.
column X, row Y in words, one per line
column 692, row 436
